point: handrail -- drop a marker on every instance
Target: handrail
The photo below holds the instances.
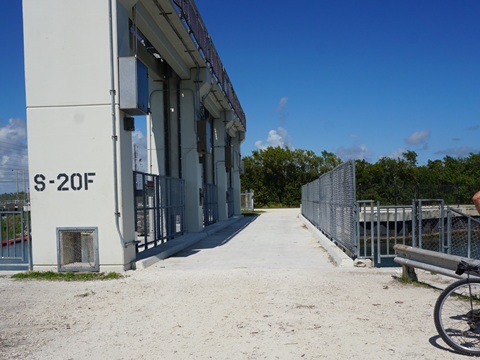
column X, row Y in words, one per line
column 412, row 257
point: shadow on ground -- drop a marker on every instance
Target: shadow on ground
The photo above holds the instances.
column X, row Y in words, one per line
column 434, row 342
column 219, row 238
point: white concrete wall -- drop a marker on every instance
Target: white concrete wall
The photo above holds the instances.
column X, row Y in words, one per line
column 69, row 117
column 75, row 144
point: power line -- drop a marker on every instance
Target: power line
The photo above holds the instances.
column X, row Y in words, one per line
column 7, row 145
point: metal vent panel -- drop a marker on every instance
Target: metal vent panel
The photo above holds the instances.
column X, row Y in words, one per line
column 77, row 249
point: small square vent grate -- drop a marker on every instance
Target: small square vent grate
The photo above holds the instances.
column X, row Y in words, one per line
column 77, row 249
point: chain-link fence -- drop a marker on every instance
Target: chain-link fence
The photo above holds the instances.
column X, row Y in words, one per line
column 429, row 224
column 329, row 203
column 462, row 234
column 368, row 230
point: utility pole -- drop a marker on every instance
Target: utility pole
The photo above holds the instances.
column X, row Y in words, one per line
column 17, row 185
column 135, row 157
column 24, row 187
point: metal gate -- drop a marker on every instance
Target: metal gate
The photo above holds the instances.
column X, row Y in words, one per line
column 209, row 200
column 15, row 239
column 159, row 209
column 380, row 228
column 230, row 202
column 246, row 201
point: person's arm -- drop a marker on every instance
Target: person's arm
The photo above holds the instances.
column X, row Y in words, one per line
column 476, row 200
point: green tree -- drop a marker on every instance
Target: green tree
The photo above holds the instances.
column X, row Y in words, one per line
column 390, row 181
column 13, row 196
column 400, row 180
column 277, row 174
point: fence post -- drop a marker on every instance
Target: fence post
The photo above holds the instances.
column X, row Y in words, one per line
column 379, row 259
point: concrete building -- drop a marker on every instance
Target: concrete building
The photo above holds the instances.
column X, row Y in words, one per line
column 92, row 67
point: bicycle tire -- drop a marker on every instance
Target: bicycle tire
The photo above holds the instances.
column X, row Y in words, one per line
column 455, row 321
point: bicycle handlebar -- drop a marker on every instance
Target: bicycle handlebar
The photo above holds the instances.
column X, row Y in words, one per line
column 464, row 266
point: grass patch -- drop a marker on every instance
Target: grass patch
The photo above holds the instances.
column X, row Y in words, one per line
column 252, row 213
column 67, row 276
column 405, row 280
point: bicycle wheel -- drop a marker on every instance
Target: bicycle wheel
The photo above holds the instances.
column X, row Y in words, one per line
column 457, row 316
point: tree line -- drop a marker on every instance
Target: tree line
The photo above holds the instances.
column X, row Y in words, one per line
column 276, row 176
column 13, row 196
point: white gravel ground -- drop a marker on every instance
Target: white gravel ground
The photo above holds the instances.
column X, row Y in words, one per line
column 268, row 291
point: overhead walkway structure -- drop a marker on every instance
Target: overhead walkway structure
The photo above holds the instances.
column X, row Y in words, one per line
column 92, row 67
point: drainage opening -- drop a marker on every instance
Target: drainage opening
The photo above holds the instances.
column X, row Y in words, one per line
column 77, row 249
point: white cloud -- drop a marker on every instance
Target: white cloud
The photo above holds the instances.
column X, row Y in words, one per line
column 14, row 131
column 259, row 144
column 419, row 138
column 282, row 103
column 137, row 136
column 398, row 153
column 275, row 138
column 462, row 151
column 358, row 152
column 278, row 137
column 13, row 159
column 139, row 143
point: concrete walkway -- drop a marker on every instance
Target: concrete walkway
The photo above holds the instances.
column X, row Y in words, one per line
column 276, row 239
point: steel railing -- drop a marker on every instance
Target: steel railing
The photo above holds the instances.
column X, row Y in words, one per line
column 230, row 202
column 159, row 209
column 246, row 201
column 210, row 204
column 15, row 240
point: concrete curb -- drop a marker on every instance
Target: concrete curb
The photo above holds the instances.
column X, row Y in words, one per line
column 339, row 257
column 154, row 255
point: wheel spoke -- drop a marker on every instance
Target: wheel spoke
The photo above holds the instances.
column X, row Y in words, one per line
column 457, row 316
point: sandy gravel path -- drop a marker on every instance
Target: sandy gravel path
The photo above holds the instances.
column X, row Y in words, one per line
column 266, row 292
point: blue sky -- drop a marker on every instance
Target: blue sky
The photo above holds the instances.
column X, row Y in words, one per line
column 359, row 78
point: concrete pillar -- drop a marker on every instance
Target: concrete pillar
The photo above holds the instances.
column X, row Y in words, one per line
column 80, row 156
column 191, row 169
column 174, row 139
column 190, row 94
column 156, row 129
column 236, row 174
column 219, row 166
